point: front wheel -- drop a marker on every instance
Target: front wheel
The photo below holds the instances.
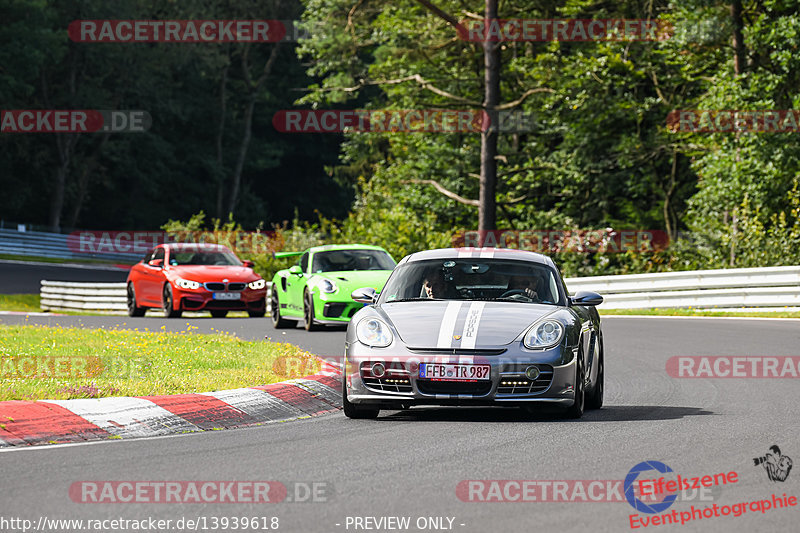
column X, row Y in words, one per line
column 350, row 409
column 576, row 410
column 595, row 399
column 133, row 307
column 308, row 312
column 169, row 303
column 277, row 321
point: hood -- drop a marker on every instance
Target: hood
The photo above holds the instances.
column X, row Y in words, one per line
column 434, row 324
column 350, row 280
column 204, row 273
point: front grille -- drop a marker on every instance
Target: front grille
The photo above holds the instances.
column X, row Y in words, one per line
column 520, row 384
column 333, row 309
column 191, row 304
column 393, row 384
column 219, row 286
column 458, row 351
column 480, row 388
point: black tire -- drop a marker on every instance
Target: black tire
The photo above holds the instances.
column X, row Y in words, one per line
column 219, row 313
column 277, row 321
column 167, row 303
column 351, row 411
column 595, row 399
column 308, row 312
column 576, row 410
column 256, row 314
column 133, row 308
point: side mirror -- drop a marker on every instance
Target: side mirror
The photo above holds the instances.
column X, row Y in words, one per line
column 365, row 295
column 159, row 263
column 586, row 298
column 296, row 270
column 248, row 263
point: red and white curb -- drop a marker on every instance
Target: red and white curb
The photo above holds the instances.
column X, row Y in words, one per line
column 58, row 421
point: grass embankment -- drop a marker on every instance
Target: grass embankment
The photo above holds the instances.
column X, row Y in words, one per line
column 700, row 312
column 38, row 362
column 20, row 302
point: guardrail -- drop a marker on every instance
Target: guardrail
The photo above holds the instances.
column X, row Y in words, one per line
column 769, row 289
column 56, row 245
column 75, row 296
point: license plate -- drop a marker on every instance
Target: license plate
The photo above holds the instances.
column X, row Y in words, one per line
column 454, row 372
column 227, row 296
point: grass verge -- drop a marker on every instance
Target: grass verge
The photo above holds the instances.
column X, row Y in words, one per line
column 20, row 302
column 38, row 362
column 699, row 312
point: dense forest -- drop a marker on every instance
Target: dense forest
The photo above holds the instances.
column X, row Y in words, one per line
column 599, row 149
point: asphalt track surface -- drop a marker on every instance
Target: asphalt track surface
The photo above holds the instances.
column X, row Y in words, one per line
column 410, row 463
column 17, row 277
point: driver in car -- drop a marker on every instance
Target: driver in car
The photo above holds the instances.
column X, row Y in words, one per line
column 434, row 285
column 525, row 285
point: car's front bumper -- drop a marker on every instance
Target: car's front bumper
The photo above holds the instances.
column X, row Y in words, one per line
column 508, row 383
column 203, row 300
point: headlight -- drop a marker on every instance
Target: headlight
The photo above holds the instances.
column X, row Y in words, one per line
column 544, row 335
column 374, row 333
column 257, row 284
column 187, row 283
column 327, row 286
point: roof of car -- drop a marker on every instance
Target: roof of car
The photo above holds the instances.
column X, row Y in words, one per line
column 328, row 247
column 479, row 253
column 196, row 246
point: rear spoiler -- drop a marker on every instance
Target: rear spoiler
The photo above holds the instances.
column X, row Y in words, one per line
column 281, row 255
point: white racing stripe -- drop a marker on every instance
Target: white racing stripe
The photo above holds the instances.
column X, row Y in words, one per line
column 448, row 325
column 470, row 332
column 487, row 253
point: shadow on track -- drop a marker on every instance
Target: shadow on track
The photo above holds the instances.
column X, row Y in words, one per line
column 622, row 413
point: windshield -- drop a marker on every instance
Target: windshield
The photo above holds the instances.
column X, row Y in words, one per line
column 336, row 260
column 203, row 257
column 473, row 279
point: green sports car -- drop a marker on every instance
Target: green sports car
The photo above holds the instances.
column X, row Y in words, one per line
column 317, row 290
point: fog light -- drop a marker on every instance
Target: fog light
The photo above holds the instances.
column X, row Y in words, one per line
column 532, row 373
column 378, row 370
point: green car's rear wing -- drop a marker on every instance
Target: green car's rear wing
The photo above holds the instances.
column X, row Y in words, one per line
column 281, row 255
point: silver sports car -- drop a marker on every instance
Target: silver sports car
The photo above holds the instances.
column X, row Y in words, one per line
column 464, row 326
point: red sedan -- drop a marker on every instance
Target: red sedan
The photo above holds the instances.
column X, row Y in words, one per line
column 195, row 277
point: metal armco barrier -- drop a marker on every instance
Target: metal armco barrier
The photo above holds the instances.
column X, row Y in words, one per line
column 769, row 289
column 73, row 296
column 42, row 244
